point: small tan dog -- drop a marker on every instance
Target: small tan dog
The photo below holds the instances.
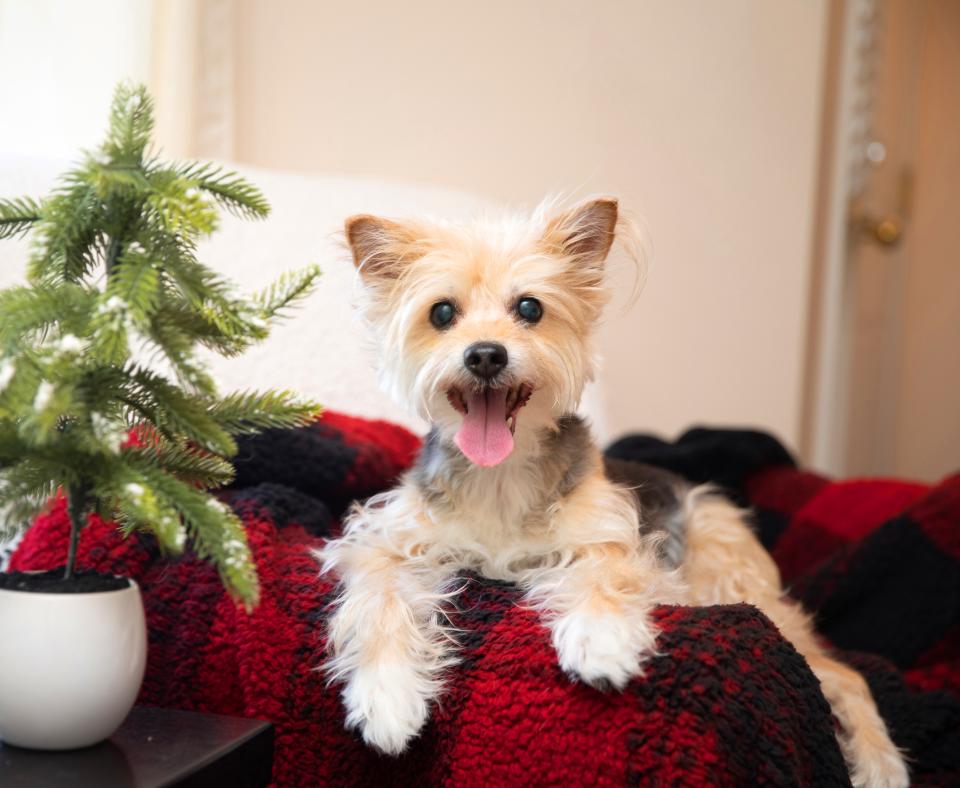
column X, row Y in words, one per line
column 485, row 331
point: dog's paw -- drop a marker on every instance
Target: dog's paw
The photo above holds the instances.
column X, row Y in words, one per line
column 388, row 705
column 603, row 650
column 875, row 762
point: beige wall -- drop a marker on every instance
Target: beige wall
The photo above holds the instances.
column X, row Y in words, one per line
column 702, row 115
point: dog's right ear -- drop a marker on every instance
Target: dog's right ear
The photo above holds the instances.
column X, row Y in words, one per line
column 379, row 246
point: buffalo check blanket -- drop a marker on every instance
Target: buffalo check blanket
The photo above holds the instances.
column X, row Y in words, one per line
column 728, row 702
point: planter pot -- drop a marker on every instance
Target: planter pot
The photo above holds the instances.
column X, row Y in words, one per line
column 71, row 665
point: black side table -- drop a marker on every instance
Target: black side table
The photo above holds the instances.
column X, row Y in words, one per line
column 153, row 748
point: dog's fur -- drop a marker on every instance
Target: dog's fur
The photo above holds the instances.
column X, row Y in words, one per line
column 594, row 548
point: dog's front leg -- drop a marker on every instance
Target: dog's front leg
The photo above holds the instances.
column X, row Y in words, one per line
column 599, row 616
column 385, row 640
column 597, row 599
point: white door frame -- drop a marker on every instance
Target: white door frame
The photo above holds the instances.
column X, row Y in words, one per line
column 854, row 27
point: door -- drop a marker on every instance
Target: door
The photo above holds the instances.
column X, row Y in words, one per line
column 903, row 246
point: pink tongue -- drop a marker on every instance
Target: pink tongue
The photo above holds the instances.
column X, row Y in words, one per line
column 484, row 436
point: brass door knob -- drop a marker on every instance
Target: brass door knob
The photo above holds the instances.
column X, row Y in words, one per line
column 885, row 230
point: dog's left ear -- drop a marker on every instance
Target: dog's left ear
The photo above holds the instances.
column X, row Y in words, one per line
column 585, row 232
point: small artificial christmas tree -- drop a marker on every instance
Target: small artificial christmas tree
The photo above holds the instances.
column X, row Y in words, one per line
column 102, row 340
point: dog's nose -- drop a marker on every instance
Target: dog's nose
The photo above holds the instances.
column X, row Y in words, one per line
column 485, row 359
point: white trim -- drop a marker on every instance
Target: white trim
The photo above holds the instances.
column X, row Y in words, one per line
column 192, row 77
column 847, row 171
column 216, row 92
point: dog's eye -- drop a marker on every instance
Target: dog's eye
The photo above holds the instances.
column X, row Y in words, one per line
column 529, row 310
column 442, row 314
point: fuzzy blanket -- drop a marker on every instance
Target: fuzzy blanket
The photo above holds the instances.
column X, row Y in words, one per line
column 729, row 701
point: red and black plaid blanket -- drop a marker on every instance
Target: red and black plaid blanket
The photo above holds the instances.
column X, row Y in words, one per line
column 729, row 701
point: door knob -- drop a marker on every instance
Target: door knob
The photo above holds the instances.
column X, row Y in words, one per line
column 885, row 230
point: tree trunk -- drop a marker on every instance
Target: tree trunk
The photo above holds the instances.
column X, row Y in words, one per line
column 77, row 510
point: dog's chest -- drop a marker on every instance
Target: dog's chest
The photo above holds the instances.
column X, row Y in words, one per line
column 494, row 511
column 498, row 503
column 506, row 507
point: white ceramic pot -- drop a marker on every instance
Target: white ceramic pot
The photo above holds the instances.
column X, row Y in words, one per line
column 71, row 665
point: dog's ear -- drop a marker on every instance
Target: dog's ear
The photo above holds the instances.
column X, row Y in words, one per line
column 379, row 246
column 584, row 232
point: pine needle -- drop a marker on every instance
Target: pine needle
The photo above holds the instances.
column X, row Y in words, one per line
column 17, row 216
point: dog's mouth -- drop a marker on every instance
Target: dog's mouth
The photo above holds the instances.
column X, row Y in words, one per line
column 489, row 421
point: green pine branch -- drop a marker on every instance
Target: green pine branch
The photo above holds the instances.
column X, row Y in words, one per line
column 70, row 234
column 214, row 530
column 233, row 192
column 177, row 413
column 17, row 216
column 33, row 474
column 192, row 466
column 23, row 496
column 179, row 206
column 253, row 411
column 177, row 344
column 286, row 291
column 28, row 312
column 131, row 123
column 178, row 323
column 135, row 283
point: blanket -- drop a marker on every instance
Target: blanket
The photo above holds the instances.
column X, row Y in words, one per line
column 727, row 702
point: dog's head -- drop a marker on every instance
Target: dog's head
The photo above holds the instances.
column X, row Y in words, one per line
column 485, row 329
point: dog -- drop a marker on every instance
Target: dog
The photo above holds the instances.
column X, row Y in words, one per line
column 485, row 330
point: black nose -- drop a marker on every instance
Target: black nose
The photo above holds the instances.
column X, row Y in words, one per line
column 485, row 359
